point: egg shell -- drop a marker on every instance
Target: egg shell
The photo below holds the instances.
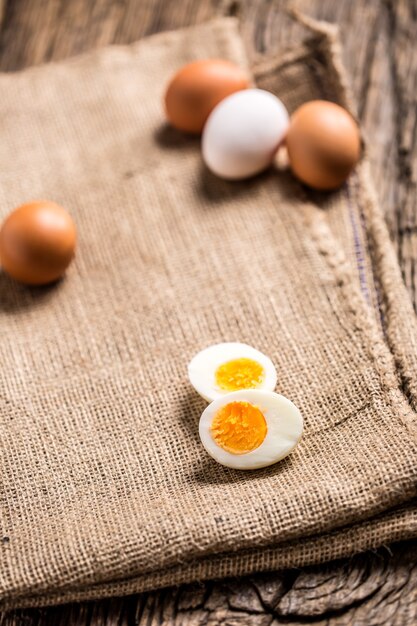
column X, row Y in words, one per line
column 203, row 366
column 323, row 143
column 243, row 133
column 196, row 88
column 284, row 423
column 37, row 242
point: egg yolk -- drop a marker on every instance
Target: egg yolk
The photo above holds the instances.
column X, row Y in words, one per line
column 238, row 427
column 239, row 374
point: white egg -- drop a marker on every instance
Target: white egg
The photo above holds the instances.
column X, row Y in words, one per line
column 250, row 429
column 227, row 367
column 243, row 133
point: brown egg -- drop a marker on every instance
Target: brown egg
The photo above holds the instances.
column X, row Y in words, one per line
column 323, row 143
column 196, row 88
column 37, row 242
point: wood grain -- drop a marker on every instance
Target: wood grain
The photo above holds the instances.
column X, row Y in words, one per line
column 379, row 38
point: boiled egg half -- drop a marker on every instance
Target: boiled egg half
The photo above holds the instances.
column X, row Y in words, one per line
column 226, row 367
column 250, row 429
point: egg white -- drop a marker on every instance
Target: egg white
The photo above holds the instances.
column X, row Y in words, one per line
column 202, row 368
column 243, row 133
column 284, row 429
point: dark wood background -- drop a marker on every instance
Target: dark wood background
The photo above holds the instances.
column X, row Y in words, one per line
column 380, row 52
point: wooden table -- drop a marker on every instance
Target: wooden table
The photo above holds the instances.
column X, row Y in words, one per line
column 379, row 38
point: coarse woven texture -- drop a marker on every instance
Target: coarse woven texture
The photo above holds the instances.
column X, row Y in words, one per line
column 105, row 488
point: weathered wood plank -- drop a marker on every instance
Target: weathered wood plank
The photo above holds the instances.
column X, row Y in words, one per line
column 379, row 38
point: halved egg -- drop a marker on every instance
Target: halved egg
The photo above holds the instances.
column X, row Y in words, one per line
column 250, row 429
column 227, row 367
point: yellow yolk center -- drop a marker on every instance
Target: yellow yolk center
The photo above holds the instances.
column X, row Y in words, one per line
column 239, row 374
column 238, row 427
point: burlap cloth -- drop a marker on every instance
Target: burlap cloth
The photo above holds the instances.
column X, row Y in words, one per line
column 105, row 488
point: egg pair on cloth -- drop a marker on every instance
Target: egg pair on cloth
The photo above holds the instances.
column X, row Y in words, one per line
column 247, row 425
column 242, row 128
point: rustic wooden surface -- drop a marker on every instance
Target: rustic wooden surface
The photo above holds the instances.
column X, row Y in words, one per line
column 379, row 38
